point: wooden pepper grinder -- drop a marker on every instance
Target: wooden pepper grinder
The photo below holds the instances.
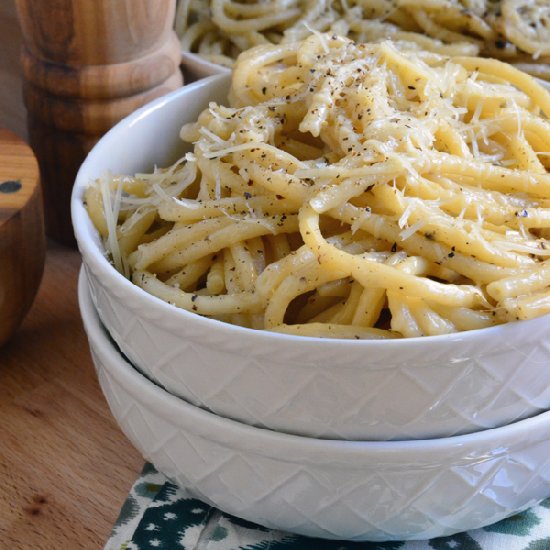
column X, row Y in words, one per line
column 87, row 64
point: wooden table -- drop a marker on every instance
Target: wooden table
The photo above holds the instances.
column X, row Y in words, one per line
column 65, row 467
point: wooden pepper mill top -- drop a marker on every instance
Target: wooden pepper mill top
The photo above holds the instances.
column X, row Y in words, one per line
column 86, row 65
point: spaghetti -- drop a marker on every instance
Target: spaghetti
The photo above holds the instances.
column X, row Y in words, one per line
column 348, row 190
column 517, row 31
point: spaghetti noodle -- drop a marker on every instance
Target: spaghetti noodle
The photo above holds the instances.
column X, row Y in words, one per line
column 348, row 190
column 514, row 30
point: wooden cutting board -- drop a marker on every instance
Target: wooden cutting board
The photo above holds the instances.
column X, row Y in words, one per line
column 22, row 242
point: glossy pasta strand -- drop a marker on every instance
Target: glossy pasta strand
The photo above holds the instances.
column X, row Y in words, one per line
column 348, row 190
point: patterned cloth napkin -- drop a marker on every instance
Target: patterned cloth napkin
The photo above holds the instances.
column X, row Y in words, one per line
column 159, row 515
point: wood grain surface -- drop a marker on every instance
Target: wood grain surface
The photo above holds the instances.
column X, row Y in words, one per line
column 65, row 467
column 22, row 243
column 94, row 32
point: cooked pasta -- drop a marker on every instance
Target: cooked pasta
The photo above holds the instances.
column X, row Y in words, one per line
column 515, row 30
column 348, row 190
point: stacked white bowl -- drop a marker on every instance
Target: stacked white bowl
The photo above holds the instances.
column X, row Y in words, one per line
column 359, row 440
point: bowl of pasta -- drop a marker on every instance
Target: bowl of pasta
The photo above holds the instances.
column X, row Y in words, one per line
column 214, row 32
column 332, row 489
column 352, row 244
column 210, row 60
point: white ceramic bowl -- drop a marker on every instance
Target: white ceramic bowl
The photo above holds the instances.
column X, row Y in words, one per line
column 332, row 489
column 196, row 67
column 400, row 389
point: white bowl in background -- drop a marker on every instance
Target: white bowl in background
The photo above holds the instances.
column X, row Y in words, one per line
column 196, row 67
column 371, row 390
column 332, row 489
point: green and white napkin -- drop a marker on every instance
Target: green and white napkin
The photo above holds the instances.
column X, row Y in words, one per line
column 159, row 515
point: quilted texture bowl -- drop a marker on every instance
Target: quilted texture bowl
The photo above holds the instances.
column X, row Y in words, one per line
column 370, row 390
column 325, row 488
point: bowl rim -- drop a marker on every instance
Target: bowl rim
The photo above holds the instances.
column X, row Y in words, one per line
column 481, row 445
column 96, row 259
column 192, row 59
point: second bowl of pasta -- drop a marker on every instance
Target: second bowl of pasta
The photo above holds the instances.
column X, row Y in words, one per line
column 214, row 32
column 351, row 245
